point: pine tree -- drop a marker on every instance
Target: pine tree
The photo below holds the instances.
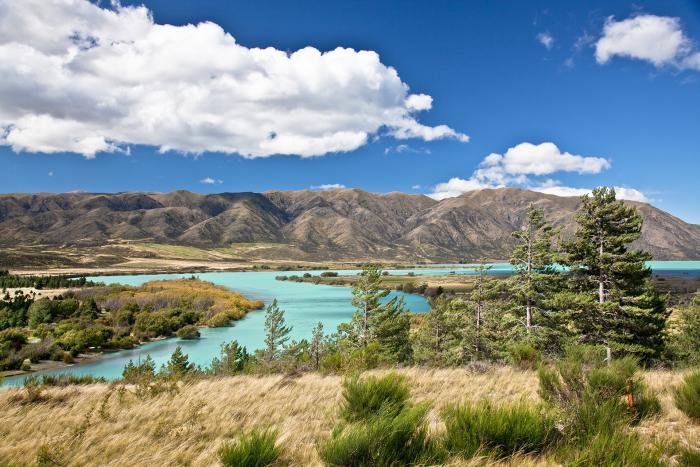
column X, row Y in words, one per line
column 276, row 331
column 484, row 290
column 316, row 346
column 233, row 359
column 533, row 263
column 367, row 293
column 613, row 301
column 390, row 328
column 386, row 324
column 179, row 363
column 439, row 337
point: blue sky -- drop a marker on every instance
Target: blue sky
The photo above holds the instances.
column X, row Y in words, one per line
column 622, row 112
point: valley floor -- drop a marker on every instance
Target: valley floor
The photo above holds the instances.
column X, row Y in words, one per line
column 102, row 424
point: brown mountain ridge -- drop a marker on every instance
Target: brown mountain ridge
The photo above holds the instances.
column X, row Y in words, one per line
column 346, row 224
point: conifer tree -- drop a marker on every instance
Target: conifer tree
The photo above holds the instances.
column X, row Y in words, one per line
column 276, row 331
column 316, row 347
column 367, row 293
column 179, row 364
column 533, row 262
column 484, row 290
column 387, row 324
column 613, row 301
column 439, row 337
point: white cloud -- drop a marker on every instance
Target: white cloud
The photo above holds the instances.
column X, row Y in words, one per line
column 542, row 159
column 405, row 148
column 51, row 173
column 630, row 194
column 523, row 165
column 211, row 181
column 80, row 78
column 546, row 40
column 656, row 39
column 328, row 186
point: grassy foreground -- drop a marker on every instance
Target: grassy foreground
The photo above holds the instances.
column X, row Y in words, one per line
column 101, row 424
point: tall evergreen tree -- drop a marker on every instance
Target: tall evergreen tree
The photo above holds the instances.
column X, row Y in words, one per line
column 387, row 324
column 484, row 290
column 367, row 293
column 316, row 347
column 179, row 364
column 614, row 301
column 533, row 261
column 276, row 331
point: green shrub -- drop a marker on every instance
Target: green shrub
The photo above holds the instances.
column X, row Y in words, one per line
column 687, row 396
column 64, row 379
column 219, row 320
column 524, row 356
column 189, row 331
column 254, row 449
column 614, row 448
column 498, row 430
column 366, row 397
column 387, row 439
column 582, row 381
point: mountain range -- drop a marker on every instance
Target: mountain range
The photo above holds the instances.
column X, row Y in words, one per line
column 344, row 224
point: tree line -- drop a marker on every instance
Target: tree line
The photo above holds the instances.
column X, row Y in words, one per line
column 591, row 289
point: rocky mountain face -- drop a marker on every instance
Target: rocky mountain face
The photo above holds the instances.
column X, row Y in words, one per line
column 322, row 225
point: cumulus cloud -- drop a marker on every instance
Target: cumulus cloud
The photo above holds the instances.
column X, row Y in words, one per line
column 81, row 78
column 656, row 39
column 211, row 181
column 546, row 40
column 328, row 186
column 523, row 166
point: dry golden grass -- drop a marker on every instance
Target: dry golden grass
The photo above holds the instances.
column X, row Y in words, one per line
column 101, row 425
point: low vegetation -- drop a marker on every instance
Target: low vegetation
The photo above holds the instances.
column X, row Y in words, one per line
column 254, row 449
column 110, row 317
column 687, row 396
column 114, row 424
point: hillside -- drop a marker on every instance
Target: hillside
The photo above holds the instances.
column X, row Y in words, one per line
column 345, row 224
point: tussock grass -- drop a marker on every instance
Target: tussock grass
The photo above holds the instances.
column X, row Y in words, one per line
column 254, row 449
column 687, row 396
column 498, row 430
column 100, row 424
column 368, row 397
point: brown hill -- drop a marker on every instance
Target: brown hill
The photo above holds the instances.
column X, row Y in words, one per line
column 318, row 225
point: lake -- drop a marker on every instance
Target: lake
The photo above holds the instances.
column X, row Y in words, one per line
column 304, row 305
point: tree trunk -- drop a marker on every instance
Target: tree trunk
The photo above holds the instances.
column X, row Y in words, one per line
column 528, row 306
column 601, row 292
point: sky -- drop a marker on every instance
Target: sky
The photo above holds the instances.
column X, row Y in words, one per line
column 433, row 97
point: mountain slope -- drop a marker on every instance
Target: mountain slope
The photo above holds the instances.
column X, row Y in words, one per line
column 335, row 224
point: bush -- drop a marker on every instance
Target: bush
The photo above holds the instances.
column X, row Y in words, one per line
column 329, row 274
column 687, row 396
column 65, row 379
column 188, row 332
column 498, row 430
column 387, row 439
column 219, row 320
column 524, row 356
column 254, row 449
column 616, row 448
column 365, row 398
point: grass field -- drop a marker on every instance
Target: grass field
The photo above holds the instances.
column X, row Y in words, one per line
column 100, row 424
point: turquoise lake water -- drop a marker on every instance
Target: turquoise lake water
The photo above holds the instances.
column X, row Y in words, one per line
column 304, row 306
